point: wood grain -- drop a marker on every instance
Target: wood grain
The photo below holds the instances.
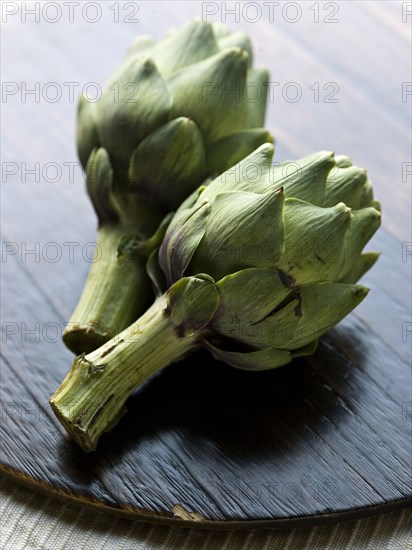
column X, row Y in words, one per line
column 318, row 440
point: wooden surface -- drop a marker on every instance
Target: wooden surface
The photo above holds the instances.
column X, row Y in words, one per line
column 202, row 441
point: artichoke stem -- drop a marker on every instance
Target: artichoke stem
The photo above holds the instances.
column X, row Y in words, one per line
column 92, row 397
column 117, row 289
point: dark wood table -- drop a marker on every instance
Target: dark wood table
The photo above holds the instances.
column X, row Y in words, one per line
column 321, row 439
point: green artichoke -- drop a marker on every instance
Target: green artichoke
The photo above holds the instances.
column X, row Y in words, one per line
column 254, row 267
column 173, row 114
column 285, row 263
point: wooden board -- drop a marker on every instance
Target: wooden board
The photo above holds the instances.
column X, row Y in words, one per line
column 319, row 440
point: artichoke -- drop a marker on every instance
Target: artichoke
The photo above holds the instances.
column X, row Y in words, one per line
column 173, row 114
column 254, row 267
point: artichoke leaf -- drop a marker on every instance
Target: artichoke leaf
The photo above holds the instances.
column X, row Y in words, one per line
column 87, row 134
column 252, row 293
column 315, row 241
column 264, row 359
column 181, row 241
column 345, row 185
column 191, row 44
column 192, row 302
column 239, row 40
column 253, row 174
column 167, row 162
column 360, row 267
column 322, row 306
column 214, row 85
column 131, row 107
column 99, row 183
column 305, row 179
column 254, row 237
column 256, row 92
column 230, row 150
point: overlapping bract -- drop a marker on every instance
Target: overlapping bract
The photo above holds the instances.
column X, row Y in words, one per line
column 176, row 112
column 283, row 245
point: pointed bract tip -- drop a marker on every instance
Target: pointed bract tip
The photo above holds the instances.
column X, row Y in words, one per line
column 185, row 121
column 341, row 206
column 360, row 292
column 266, row 149
column 269, row 138
column 377, row 206
column 236, row 52
column 343, row 161
column 143, row 62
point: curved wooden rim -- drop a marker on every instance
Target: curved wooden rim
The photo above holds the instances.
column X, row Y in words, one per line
column 183, row 518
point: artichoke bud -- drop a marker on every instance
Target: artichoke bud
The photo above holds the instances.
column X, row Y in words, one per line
column 284, row 268
column 167, row 161
column 177, row 112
